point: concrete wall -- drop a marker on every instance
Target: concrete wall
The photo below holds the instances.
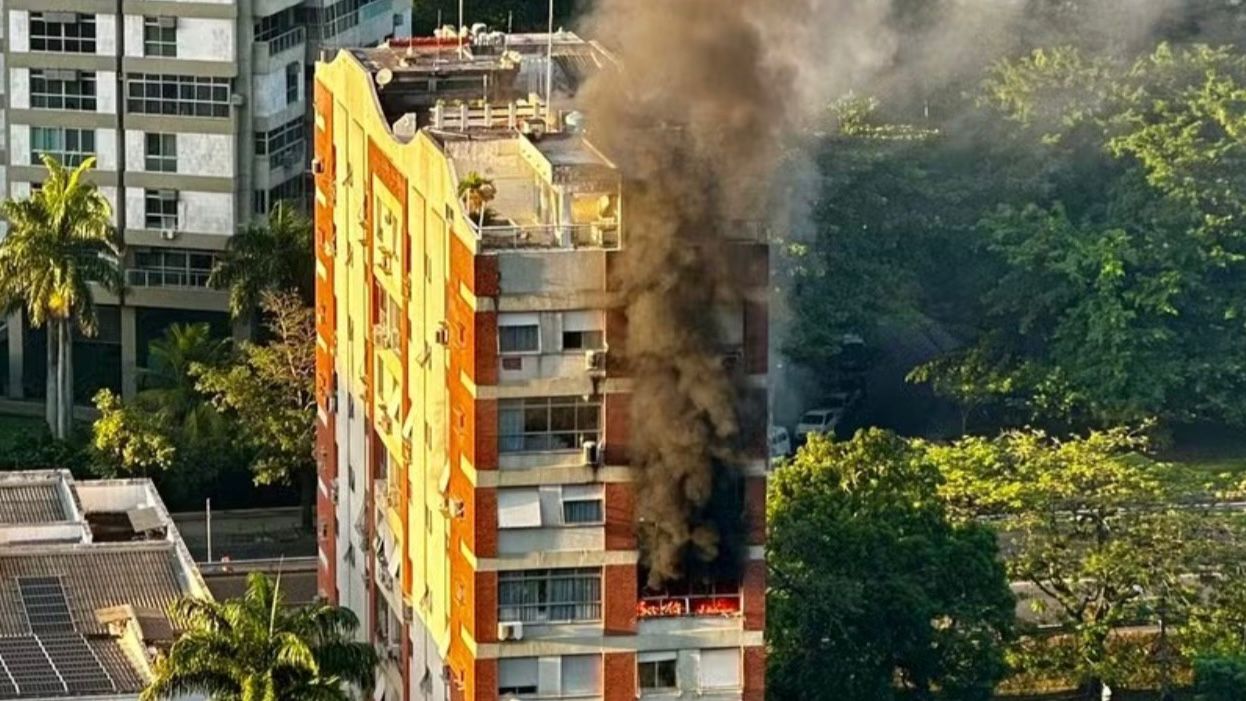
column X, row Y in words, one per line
column 205, row 39
column 106, row 35
column 197, row 154
column 19, row 88
column 198, row 212
column 270, row 92
column 106, row 92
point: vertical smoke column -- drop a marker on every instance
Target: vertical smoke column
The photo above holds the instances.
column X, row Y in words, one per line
column 694, row 122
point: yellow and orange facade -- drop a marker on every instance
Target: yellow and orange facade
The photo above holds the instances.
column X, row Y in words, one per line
column 475, row 500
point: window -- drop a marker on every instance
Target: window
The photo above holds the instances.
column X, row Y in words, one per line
column 69, row 146
column 719, row 669
column 292, row 82
column 656, row 671
column 283, row 145
column 160, row 36
column 550, row 596
column 583, row 331
column 566, row 676
column 62, row 90
column 169, row 267
column 583, row 504
column 67, row 32
column 547, row 423
column 283, row 30
column 177, row 95
column 519, row 333
column 162, row 153
column 338, row 17
column 519, row 508
column 160, row 209
column 293, row 191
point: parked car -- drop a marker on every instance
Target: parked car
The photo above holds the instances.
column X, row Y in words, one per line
column 780, row 442
column 824, row 419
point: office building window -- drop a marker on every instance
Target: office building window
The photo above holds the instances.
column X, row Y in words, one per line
column 537, row 424
column 67, row 32
column 69, row 146
column 284, row 145
column 293, row 71
column 60, row 89
column 161, row 153
column 160, row 36
column 550, row 595
column 293, row 191
column 160, row 209
column 178, row 95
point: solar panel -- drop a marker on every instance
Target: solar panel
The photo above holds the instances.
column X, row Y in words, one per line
column 31, row 670
column 78, row 666
column 47, row 610
column 8, row 689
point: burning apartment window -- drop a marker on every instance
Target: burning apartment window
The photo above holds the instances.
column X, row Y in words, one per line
column 655, row 671
column 519, row 333
column 536, row 424
column 550, row 596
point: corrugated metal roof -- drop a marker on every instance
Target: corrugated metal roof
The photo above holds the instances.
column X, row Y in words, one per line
column 36, row 502
column 94, row 577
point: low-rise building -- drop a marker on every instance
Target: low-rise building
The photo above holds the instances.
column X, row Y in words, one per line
column 87, row 573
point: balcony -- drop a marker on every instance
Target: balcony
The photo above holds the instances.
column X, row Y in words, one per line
column 286, row 40
column 511, row 236
column 168, row 277
column 721, row 600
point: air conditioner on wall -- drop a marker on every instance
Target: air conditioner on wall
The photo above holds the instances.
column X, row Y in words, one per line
column 591, row 453
column 594, row 360
column 168, row 234
column 510, row 630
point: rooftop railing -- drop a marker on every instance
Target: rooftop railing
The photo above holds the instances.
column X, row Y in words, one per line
column 604, row 235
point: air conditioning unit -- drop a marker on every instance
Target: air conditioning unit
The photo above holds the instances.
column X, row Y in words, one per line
column 591, row 453
column 317, row 166
column 380, row 333
column 168, row 234
column 334, row 491
column 332, row 403
column 237, row 100
column 443, row 334
column 408, row 614
column 595, row 360
column 166, row 22
column 393, row 650
column 385, row 579
column 510, row 630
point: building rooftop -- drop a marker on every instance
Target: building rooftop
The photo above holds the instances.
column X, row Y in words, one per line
column 87, row 573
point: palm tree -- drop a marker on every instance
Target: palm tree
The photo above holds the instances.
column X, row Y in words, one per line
column 169, row 383
column 60, row 241
column 477, row 192
column 278, row 256
column 256, row 649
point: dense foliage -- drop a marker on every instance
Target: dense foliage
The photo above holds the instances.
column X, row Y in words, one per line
column 872, row 582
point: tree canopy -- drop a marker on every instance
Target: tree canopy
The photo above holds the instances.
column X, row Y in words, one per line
column 872, row 582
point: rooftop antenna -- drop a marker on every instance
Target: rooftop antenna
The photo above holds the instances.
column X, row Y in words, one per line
column 549, row 68
column 510, row 27
column 462, row 27
column 438, row 33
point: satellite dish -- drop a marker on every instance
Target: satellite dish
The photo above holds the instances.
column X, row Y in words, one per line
column 384, row 77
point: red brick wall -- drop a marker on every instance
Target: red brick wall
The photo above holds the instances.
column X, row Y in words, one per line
column 754, row 673
column 485, row 685
column 486, row 520
column 485, row 446
column 756, row 337
column 755, row 509
column 618, row 420
column 620, row 516
column 486, row 619
column 618, row 674
column 619, row 592
column 754, row 586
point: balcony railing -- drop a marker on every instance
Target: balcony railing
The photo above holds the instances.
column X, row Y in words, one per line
column 143, row 277
column 286, row 40
column 549, row 236
column 679, row 605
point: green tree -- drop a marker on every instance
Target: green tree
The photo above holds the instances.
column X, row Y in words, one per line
column 60, row 242
column 476, row 192
column 1121, row 284
column 169, row 386
column 255, row 648
column 875, row 593
column 1104, row 535
column 270, row 392
column 278, row 256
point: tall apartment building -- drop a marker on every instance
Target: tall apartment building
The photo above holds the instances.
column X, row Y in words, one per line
column 476, row 506
column 198, row 114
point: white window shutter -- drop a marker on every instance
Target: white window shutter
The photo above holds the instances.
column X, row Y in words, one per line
column 551, row 505
column 720, row 669
column 581, row 675
column 519, row 508
column 592, row 320
column 549, row 676
column 517, row 672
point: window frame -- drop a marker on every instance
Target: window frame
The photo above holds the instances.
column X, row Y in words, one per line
column 68, row 157
column 171, row 267
column 294, row 77
column 55, row 94
column 536, row 583
column 657, row 664
column 175, row 95
column 159, row 41
column 525, row 405
column 160, row 162
column 82, row 39
column 597, row 496
column 503, row 349
column 161, row 217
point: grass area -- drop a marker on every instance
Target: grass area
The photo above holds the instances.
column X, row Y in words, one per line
column 1214, row 450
